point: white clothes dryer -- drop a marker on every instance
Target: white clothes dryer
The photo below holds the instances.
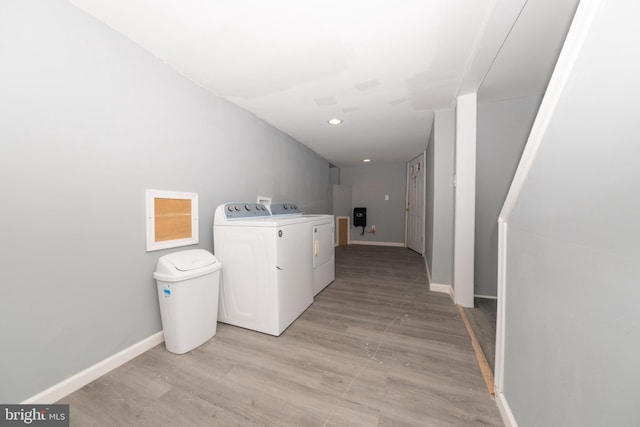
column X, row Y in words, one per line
column 266, row 280
column 323, row 242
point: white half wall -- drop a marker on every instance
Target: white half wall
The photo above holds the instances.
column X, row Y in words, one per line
column 465, row 200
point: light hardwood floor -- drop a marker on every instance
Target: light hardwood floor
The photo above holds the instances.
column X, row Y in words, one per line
column 377, row 348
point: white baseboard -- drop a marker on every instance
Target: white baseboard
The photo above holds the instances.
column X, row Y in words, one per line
column 79, row 380
column 447, row 289
column 437, row 287
column 426, row 267
column 372, row 243
column 505, row 410
column 485, row 296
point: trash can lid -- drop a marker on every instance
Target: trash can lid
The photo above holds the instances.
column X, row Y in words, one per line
column 191, row 259
column 179, row 266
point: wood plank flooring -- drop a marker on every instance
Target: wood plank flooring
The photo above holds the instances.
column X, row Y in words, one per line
column 377, row 348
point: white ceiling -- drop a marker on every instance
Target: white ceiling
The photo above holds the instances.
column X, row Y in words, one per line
column 382, row 67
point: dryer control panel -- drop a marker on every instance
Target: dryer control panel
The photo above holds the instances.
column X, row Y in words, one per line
column 245, row 210
column 284, row 209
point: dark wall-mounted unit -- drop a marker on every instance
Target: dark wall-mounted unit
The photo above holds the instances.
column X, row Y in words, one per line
column 359, row 217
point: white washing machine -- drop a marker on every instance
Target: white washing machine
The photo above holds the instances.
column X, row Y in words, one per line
column 323, row 238
column 266, row 280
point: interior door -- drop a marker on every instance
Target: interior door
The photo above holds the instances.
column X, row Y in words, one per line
column 415, row 204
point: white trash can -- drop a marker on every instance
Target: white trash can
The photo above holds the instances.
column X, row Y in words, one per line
column 188, row 287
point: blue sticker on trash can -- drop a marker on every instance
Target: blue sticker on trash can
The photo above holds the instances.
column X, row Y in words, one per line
column 167, row 292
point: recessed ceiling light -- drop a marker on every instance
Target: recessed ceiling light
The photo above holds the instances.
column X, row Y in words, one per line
column 366, row 160
column 334, row 121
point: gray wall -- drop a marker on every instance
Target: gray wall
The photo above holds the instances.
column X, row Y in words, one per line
column 442, row 247
column 342, row 200
column 88, row 122
column 503, row 129
column 369, row 184
column 334, row 175
column 572, row 297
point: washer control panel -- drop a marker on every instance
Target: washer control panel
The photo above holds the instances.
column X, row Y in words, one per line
column 245, row 210
column 284, row 209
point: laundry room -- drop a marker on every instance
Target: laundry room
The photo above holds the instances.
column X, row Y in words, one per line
column 95, row 123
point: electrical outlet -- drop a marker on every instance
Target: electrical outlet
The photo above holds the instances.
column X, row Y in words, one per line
column 373, row 229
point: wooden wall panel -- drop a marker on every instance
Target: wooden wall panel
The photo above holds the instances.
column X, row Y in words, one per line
column 343, row 231
column 172, row 219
